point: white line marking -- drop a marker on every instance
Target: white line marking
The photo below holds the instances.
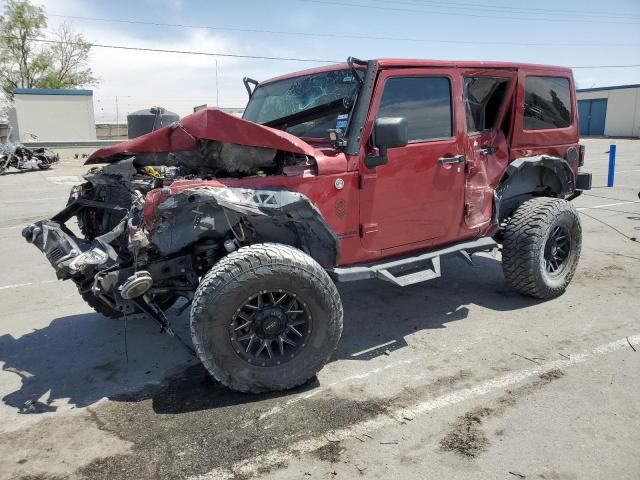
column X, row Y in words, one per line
column 18, row 285
column 362, row 352
column 608, row 205
column 273, row 457
column 351, row 378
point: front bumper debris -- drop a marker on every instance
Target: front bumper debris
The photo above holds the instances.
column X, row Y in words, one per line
column 69, row 256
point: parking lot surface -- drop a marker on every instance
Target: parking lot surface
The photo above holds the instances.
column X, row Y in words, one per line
column 459, row 377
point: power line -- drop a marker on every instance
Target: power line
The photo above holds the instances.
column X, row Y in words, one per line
column 462, row 14
column 185, row 52
column 214, row 54
column 333, row 35
column 511, row 9
column 606, row 66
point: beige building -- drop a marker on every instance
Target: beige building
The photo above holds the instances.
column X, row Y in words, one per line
column 48, row 115
column 610, row 111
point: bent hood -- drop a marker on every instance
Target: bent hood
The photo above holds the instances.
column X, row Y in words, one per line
column 207, row 124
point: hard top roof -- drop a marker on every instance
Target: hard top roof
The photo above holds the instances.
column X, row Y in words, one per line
column 417, row 63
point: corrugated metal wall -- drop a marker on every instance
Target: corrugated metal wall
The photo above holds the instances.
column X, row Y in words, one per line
column 622, row 117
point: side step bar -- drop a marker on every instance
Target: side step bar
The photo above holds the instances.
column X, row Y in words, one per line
column 409, row 270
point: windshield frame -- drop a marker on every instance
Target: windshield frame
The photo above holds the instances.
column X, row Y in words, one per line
column 338, row 68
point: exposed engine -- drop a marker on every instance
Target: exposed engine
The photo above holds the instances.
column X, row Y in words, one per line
column 132, row 257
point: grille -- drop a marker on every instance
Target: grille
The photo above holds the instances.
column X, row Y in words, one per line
column 56, row 254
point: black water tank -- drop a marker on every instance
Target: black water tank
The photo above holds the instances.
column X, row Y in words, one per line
column 145, row 121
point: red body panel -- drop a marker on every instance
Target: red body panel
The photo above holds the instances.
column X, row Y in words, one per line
column 485, row 170
column 208, row 124
column 339, row 207
column 409, row 204
column 413, row 199
column 553, row 142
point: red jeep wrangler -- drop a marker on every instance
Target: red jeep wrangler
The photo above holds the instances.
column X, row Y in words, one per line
column 360, row 170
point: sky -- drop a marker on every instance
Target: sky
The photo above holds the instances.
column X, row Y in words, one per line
column 560, row 32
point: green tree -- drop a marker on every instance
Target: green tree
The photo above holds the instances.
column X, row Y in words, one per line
column 28, row 63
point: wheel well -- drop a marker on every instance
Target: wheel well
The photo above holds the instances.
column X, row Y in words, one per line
column 525, row 178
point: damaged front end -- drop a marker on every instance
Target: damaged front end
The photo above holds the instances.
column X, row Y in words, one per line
column 157, row 217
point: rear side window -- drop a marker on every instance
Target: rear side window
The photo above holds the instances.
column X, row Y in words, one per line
column 547, row 103
column 483, row 99
column 424, row 101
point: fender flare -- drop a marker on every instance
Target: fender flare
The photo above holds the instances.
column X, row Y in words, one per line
column 527, row 174
column 274, row 214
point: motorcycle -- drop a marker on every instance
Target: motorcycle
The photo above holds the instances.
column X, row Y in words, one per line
column 23, row 158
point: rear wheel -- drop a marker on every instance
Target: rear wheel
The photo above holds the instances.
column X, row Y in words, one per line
column 266, row 317
column 541, row 249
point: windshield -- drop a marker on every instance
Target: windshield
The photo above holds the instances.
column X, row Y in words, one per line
column 284, row 99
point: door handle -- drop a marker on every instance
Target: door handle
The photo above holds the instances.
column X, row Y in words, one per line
column 488, row 150
column 451, row 160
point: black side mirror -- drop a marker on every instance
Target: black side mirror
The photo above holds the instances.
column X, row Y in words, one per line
column 391, row 132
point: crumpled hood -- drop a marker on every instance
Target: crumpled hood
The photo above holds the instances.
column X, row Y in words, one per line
column 207, row 124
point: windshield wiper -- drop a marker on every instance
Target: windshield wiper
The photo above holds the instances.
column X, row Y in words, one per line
column 341, row 105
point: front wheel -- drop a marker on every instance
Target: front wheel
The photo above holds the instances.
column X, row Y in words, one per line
column 541, row 247
column 266, row 317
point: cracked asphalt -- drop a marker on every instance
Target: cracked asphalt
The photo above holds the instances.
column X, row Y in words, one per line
column 455, row 378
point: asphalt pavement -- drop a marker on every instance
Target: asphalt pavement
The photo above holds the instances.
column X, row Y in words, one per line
column 459, row 377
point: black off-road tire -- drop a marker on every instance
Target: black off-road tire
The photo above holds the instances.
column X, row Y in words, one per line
column 525, row 240
column 247, row 272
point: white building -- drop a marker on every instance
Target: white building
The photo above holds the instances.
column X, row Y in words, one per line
column 49, row 115
column 610, row 111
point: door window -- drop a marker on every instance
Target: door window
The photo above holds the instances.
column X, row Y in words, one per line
column 547, row 103
column 483, row 99
column 424, row 101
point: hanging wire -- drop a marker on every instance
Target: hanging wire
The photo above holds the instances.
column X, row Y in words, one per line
column 633, row 239
column 126, row 343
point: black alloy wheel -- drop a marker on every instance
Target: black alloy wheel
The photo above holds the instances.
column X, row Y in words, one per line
column 557, row 250
column 270, row 328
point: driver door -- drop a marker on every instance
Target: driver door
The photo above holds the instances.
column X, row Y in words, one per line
column 417, row 197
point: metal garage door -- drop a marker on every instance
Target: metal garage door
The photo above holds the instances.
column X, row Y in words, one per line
column 592, row 116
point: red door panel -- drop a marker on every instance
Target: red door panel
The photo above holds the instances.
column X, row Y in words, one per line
column 487, row 149
column 415, row 197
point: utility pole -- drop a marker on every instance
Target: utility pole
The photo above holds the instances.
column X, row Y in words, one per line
column 117, row 113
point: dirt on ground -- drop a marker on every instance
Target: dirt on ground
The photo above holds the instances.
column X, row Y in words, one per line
column 466, row 436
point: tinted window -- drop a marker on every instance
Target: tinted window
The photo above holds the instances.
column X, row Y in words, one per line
column 547, row 103
column 483, row 99
column 424, row 101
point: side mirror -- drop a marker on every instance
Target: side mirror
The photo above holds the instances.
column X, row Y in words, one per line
column 391, row 132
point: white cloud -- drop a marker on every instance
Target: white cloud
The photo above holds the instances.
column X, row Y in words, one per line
column 178, row 82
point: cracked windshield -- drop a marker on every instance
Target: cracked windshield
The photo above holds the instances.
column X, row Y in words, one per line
column 307, row 106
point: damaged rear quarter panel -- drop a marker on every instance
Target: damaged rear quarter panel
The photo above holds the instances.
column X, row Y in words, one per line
column 281, row 209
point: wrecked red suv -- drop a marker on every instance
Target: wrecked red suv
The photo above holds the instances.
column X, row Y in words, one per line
column 360, row 170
